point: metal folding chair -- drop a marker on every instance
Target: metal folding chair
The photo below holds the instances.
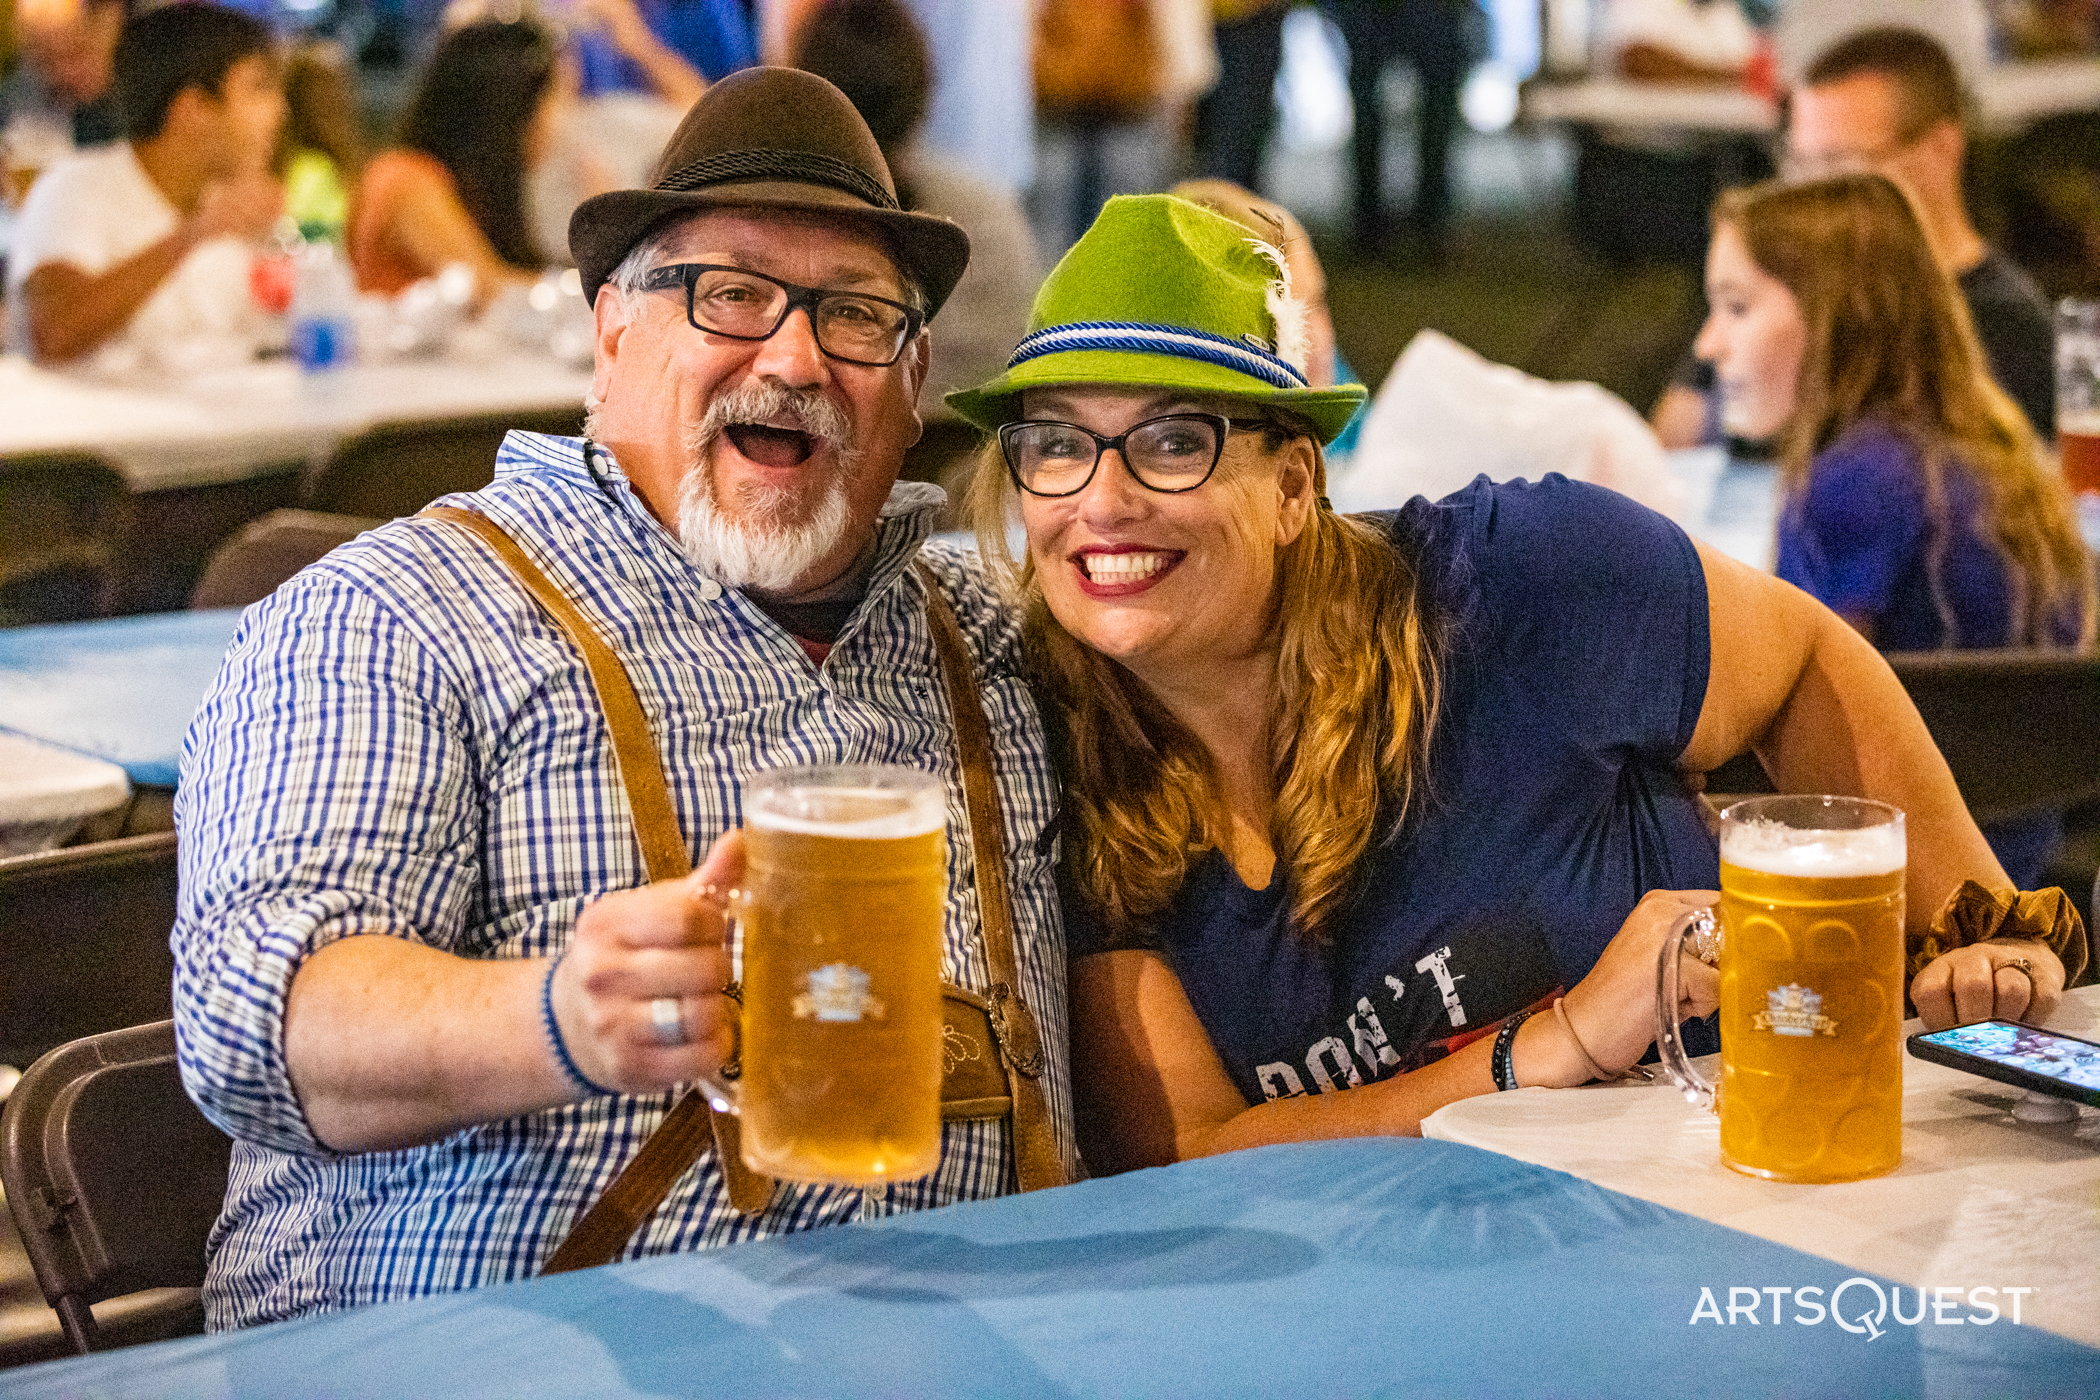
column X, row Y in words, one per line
column 114, row 1180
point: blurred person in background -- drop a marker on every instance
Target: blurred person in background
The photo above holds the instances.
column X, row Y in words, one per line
column 489, row 112
column 1891, row 101
column 1234, row 119
column 452, row 188
column 139, row 252
column 63, row 79
column 322, row 152
column 1440, row 39
column 1115, row 81
column 875, row 52
column 1916, row 499
column 712, row 38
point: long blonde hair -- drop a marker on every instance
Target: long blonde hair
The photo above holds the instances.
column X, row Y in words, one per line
column 1357, row 681
column 1889, row 338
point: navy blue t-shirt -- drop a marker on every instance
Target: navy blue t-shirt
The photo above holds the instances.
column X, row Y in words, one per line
column 1859, row 537
column 1575, row 673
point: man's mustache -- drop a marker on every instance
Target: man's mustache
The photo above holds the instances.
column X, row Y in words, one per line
column 774, row 406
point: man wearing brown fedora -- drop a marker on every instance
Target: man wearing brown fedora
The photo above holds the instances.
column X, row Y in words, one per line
column 479, row 736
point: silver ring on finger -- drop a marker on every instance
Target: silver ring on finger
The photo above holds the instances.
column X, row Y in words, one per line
column 667, row 1022
column 2022, row 966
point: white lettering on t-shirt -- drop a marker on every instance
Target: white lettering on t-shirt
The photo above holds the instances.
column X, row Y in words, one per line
column 1279, row 1081
column 1333, row 1048
column 1371, row 1045
column 1434, row 965
column 1399, row 987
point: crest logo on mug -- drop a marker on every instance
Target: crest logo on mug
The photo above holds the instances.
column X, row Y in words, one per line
column 1794, row 1010
column 838, row 992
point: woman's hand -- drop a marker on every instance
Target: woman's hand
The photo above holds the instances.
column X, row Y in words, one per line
column 1613, row 1009
column 1984, row 980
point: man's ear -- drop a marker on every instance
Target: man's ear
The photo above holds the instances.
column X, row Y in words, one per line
column 609, row 312
column 917, row 363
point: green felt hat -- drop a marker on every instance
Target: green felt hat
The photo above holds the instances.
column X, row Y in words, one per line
column 1162, row 293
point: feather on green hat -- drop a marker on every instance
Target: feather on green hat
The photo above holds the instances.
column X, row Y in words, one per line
column 1162, row 293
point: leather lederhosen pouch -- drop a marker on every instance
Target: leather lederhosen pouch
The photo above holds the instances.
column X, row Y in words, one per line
column 991, row 1050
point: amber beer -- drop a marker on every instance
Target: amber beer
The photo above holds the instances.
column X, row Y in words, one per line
column 1811, row 988
column 2078, row 393
column 2078, row 442
column 841, row 936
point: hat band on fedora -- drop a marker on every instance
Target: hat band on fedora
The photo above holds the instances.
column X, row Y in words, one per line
column 1177, row 341
column 800, row 167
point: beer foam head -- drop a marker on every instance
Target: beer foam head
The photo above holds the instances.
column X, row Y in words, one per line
column 1779, row 849
column 861, row 813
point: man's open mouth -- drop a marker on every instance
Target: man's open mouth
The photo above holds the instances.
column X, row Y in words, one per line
column 770, row 447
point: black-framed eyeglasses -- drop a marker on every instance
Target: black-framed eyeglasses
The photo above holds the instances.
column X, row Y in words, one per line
column 1173, row 453
column 856, row 327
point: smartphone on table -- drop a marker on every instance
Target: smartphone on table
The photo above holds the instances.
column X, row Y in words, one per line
column 2017, row 1053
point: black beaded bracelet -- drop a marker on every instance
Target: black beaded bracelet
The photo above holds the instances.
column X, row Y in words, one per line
column 1501, row 1063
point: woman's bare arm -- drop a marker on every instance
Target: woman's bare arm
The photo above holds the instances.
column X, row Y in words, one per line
column 1800, row 687
column 1153, row 1090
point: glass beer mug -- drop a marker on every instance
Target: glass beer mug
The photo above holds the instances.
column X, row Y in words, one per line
column 1811, row 961
column 839, row 927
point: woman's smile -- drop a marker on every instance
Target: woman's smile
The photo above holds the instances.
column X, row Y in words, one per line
column 1118, row 571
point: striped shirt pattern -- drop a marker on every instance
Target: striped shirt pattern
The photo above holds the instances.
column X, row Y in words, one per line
column 399, row 742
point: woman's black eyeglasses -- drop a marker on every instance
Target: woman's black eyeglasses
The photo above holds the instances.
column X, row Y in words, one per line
column 856, row 327
column 1171, row 454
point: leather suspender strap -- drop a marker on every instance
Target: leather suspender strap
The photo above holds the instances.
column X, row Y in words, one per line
column 597, row 1237
column 1036, row 1160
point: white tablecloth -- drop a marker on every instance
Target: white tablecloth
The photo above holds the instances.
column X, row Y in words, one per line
column 46, row 793
column 2008, row 96
column 1980, row 1200
column 230, row 425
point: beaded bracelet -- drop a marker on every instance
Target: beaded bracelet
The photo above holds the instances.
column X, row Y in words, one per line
column 1500, row 1063
column 567, row 1061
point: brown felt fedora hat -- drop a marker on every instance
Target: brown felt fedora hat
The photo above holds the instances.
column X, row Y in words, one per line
column 771, row 138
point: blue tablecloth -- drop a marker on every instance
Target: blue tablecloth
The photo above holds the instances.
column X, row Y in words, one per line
column 1378, row 1266
column 122, row 689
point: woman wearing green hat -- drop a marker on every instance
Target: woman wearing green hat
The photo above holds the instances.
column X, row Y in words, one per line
column 1348, row 797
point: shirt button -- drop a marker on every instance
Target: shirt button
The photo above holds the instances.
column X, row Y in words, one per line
column 710, row 590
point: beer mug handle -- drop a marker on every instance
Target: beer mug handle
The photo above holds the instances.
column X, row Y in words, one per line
column 721, row 1086
column 1669, row 1045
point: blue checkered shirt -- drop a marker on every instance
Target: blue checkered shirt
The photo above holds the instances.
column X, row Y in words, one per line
column 399, row 742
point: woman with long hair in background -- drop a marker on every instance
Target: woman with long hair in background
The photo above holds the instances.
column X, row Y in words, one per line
column 1916, row 500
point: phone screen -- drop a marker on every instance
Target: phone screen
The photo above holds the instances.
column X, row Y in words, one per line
column 2066, row 1059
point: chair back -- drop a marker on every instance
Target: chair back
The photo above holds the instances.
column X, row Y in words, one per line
column 113, row 1176
column 62, row 519
column 2020, row 729
column 396, row 469
column 84, row 942
column 250, row 566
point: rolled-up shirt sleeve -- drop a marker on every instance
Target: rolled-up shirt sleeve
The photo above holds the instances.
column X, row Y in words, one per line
column 326, row 792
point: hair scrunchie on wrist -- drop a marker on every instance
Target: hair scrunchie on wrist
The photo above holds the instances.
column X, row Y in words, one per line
column 569, row 1068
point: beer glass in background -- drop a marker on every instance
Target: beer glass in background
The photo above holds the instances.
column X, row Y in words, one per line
column 2078, row 393
column 840, row 925
column 1811, row 962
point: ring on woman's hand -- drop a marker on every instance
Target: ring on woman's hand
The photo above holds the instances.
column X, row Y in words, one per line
column 667, row 1021
column 2021, row 966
